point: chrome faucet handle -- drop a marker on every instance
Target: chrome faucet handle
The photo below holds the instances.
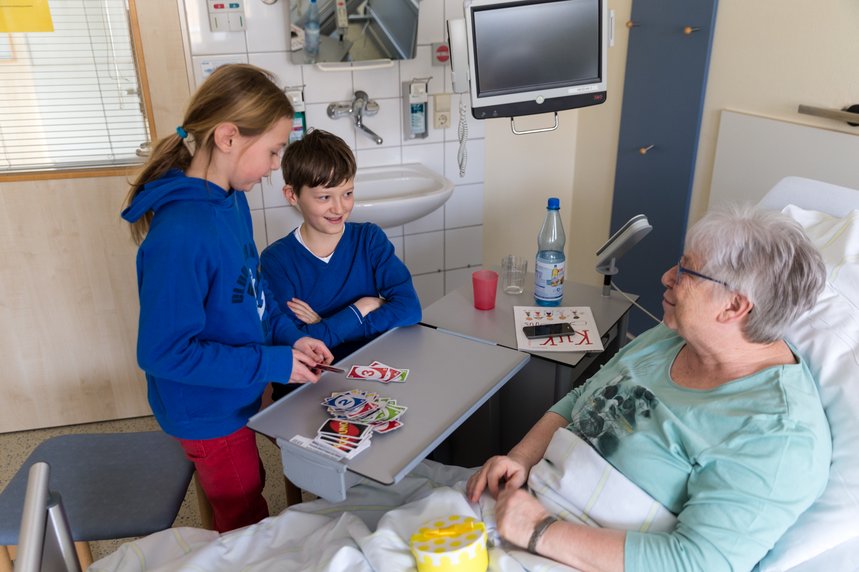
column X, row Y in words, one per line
column 363, row 105
column 371, row 107
column 340, row 109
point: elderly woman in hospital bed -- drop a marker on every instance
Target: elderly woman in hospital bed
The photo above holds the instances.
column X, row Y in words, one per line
column 712, row 419
column 712, row 413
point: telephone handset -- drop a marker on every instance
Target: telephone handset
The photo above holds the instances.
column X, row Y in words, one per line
column 458, row 55
column 458, row 40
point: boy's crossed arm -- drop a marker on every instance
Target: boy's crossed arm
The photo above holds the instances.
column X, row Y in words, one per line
column 308, row 315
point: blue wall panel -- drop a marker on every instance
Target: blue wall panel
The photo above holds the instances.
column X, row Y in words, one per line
column 663, row 96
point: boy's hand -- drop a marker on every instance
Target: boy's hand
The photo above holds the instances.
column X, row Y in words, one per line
column 314, row 350
column 303, row 311
column 367, row 304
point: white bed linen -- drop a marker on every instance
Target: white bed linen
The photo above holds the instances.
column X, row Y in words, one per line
column 828, row 338
column 370, row 530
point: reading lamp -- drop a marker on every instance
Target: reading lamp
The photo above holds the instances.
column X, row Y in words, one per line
column 617, row 245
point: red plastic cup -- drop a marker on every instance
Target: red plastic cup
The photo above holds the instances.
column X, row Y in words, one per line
column 485, row 282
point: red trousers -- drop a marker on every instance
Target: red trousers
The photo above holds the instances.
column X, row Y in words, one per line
column 231, row 473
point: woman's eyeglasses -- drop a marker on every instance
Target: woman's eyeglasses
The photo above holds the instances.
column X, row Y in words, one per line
column 683, row 270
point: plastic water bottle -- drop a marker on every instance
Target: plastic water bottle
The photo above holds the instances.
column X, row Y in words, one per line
column 549, row 270
column 311, row 29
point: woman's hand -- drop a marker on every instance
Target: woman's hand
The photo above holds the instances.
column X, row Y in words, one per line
column 498, row 472
column 367, row 304
column 516, row 515
column 303, row 311
column 314, row 349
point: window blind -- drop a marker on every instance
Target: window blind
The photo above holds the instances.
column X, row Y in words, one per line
column 71, row 98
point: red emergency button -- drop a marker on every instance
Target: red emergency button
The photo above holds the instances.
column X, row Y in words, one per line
column 442, row 53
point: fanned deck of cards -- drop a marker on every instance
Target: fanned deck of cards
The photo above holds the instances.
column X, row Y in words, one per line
column 355, row 416
column 377, row 371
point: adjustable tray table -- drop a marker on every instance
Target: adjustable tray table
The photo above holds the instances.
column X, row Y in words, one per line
column 449, row 378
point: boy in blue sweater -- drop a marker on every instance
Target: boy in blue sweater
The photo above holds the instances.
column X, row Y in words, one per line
column 341, row 282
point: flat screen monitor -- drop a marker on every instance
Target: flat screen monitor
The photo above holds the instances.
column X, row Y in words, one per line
column 535, row 56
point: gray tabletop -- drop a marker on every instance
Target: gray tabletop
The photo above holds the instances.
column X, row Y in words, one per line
column 449, row 378
column 456, row 313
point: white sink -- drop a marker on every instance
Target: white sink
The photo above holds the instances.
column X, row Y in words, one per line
column 397, row 194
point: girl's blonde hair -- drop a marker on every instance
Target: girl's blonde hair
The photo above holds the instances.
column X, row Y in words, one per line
column 242, row 94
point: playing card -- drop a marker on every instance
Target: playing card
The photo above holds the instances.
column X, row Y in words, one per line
column 337, row 427
column 394, row 374
column 366, row 372
column 344, row 401
column 386, row 426
column 324, row 367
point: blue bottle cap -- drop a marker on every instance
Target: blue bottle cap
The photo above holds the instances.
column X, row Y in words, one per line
column 554, row 203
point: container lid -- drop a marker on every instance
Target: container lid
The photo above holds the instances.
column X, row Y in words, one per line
column 554, row 203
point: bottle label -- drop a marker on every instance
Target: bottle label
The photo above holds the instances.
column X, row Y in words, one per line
column 549, row 283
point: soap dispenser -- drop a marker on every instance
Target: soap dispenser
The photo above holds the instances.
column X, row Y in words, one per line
column 415, row 102
column 299, row 121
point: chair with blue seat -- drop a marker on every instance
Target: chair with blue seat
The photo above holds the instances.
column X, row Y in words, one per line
column 113, row 485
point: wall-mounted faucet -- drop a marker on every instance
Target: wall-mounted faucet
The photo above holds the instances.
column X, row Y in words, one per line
column 360, row 106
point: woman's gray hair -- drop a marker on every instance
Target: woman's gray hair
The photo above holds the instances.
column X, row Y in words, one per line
column 764, row 255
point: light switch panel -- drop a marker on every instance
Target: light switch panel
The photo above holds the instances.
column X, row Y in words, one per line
column 226, row 15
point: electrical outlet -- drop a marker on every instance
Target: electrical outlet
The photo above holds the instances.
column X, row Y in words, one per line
column 441, row 119
column 441, row 111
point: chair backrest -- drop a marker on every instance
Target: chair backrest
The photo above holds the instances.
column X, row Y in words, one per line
column 45, row 540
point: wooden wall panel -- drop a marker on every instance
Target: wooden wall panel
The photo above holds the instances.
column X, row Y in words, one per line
column 68, row 305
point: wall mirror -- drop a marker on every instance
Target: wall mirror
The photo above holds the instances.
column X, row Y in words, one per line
column 371, row 30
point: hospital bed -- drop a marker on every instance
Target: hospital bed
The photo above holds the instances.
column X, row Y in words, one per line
column 826, row 537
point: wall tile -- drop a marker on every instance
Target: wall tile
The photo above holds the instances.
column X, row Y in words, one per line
column 430, row 156
column 326, row 87
column 428, row 223
column 272, row 190
column 254, row 197
column 464, row 207
column 424, row 253
column 394, row 232
column 431, row 26
column 455, row 279
column 453, row 9
column 378, row 83
column 280, row 221
column 463, row 247
column 430, row 287
column 378, row 157
column 397, row 241
column 278, row 64
column 268, row 26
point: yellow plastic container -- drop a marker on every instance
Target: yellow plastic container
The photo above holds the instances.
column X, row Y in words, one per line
column 453, row 544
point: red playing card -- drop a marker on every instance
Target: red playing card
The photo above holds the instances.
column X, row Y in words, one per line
column 387, row 426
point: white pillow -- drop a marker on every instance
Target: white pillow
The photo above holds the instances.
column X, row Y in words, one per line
column 828, row 338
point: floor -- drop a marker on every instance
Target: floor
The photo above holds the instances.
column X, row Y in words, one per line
column 17, row 446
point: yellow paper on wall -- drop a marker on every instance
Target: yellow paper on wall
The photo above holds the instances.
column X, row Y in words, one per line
column 25, row 16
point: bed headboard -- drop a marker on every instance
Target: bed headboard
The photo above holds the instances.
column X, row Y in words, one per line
column 810, row 194
column 753, row 153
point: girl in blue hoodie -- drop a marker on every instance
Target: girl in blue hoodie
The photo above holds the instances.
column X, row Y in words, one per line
column 209, row 338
